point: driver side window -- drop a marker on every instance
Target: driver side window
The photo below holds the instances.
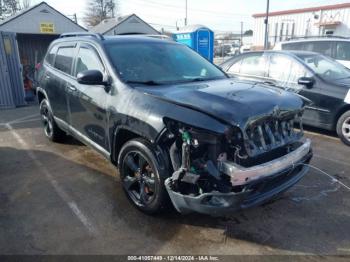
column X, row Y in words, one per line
column 286, row 72
column 87, row 59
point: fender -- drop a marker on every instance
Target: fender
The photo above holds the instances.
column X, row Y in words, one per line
column 117, row 130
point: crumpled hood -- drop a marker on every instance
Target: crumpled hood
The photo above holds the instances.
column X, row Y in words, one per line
column 235, row 102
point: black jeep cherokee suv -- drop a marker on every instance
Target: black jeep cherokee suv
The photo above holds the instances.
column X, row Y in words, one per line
column 173, row 123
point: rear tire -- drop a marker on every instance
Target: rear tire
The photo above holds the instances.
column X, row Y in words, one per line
column 51, row 130
column 343, row 128
column 142, row 177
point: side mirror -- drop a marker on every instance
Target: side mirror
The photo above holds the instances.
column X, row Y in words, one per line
column 90, row 77
column 308, row 82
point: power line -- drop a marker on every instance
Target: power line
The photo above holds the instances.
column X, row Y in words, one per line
column 157, row 4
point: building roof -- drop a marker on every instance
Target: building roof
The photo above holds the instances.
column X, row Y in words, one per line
column 110, row 23
column 304, row 10
column 27, row 10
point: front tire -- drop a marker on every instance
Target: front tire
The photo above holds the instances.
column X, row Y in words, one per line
column 52, row 131
column 142, row 177
column 343, row 128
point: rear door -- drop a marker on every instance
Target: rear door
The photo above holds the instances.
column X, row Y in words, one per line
column 87, row 103
column 56, row 78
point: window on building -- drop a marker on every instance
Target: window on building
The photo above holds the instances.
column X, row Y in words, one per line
column 87, row 59
column 293, row 30
column 276, row 33
column 64, row 59
column 281, row 32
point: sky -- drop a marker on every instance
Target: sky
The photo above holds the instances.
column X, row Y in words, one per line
column 219, row 15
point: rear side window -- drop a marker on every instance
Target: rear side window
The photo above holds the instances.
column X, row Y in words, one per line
column 87, row 59
column 50, row 57
column 285, row 70
column 64, row 59
column 234, row 68
column 254, row 65
column 292, row 46
column 342, row 51
column 322, row 47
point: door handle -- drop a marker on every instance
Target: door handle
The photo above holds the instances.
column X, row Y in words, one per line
column 72, row 87
column 47, row 77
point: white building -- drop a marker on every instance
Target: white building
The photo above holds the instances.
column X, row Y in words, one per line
column 314, row 21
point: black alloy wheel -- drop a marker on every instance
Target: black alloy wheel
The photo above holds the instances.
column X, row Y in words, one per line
column 52, row 131
column 141, row 176
column 47, row 119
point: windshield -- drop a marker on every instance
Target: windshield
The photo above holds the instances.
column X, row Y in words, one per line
column 160, row 63
column 325, row 68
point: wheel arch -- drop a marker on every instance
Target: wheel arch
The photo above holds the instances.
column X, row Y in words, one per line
column 340, row 112
column 123, row 134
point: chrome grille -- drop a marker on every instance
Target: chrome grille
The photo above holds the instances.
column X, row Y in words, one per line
column 270, row 133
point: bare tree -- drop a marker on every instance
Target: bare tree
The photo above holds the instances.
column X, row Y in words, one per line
column 11, row 7
column 99, row 10
column 26, row 3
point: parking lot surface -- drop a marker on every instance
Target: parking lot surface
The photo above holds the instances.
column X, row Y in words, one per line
column 67, row 199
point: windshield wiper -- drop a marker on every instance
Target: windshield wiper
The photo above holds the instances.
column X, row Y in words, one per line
column 200, row 79
column 269, row 83
column 148, row 83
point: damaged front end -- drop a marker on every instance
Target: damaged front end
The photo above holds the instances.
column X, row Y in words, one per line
column 243, row 167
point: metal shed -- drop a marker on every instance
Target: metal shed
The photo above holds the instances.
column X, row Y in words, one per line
column 35, row 28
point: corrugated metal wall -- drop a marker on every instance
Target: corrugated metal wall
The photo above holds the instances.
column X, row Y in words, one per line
column 32, row 47
column 11, row 83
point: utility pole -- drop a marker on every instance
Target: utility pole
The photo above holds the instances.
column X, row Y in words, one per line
column 241, row 33
column 186, row 14
column 266, row 42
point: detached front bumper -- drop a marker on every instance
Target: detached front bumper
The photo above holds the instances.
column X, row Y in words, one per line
column 259, row 184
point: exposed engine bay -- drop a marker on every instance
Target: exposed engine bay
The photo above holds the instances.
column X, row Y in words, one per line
column 229, row 163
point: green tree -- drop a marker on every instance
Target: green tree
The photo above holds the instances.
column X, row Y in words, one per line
column 248, row 32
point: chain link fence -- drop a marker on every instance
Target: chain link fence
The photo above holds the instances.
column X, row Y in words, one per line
column 225, row 48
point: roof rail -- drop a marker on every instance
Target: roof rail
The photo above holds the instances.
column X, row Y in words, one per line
column 317, row 36
column 75, row 34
